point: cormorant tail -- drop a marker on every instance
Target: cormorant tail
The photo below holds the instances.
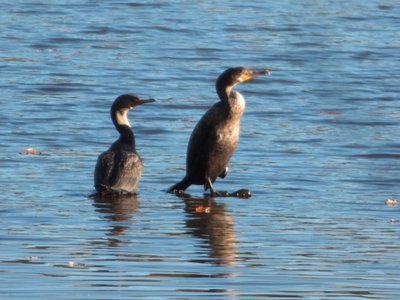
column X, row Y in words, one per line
column 180, row 186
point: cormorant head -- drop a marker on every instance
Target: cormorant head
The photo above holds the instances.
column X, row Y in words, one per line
column 128, row 102
column 122, row 105
column 233, row 76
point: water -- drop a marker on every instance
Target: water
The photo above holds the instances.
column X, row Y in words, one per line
column 319, row 150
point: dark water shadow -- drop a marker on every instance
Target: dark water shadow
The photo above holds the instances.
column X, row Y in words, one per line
column 117, row 210
column 211, row 222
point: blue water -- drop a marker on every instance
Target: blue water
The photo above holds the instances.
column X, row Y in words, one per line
column 319, row 150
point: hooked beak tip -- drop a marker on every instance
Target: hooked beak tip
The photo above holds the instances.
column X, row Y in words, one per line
column 265, row 72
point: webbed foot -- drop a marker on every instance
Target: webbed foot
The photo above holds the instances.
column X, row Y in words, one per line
column 178, row 192
column 221, row 194
column 242, row 193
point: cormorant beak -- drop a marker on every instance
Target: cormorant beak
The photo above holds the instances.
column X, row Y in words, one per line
column 142, row 101
column 252, row 74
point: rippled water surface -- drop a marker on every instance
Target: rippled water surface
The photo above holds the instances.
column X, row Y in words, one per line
column 319, row 150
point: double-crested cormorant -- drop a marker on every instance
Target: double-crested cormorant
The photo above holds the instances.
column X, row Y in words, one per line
column 118, row 169
column 216, row 135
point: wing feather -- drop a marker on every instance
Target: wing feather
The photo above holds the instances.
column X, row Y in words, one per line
column 118, row 171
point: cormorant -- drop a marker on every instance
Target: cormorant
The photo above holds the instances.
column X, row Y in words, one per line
column 118, row 169
column 216, row 135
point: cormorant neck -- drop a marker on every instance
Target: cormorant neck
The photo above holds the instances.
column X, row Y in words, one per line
column 223, row 92
column 126, row 136
column 121, row 123
column 232, row 101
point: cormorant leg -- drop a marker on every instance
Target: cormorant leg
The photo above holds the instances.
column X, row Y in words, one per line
column 214, row 193
column 211, row 187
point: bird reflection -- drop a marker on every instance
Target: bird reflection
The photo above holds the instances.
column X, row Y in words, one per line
column 209, row 221
column 116, row 210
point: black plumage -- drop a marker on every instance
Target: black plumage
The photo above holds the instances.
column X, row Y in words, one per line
column 216, row 135
column 118, row 170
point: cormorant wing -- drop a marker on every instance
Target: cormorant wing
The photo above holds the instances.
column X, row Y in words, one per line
column 126, row 172
column 104, row 167
column 202, row 144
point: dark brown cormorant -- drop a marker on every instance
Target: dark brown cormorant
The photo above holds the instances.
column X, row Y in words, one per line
column 216, row 135
column 118, row 169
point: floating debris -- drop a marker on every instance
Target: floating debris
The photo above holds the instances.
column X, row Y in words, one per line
column 30, row 151
column 391, row 202
column 73, row 264
column 31, row 258
column 202, row 209
column 330, row 112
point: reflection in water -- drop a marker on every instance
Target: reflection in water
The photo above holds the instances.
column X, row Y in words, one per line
column 117, row 209
column 208, row 220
